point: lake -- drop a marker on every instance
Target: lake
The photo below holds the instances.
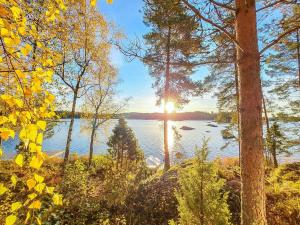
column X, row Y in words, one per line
column 150, row 136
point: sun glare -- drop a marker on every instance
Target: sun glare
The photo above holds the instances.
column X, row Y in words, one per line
column 170, row 107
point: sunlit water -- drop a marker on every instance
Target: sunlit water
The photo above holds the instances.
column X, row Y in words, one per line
column 150, row 136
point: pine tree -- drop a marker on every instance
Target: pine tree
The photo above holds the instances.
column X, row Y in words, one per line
column 201, row 200
column 123, row 145
column 276, row 142
column 172, row 48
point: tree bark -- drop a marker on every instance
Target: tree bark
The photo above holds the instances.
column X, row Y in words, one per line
column 166, row 99
column 69, row 138
column 252, row 158
column 236, row 78
column 92, row 140
column 298, row 55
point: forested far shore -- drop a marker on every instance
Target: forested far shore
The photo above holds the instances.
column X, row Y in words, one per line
column 220, row 117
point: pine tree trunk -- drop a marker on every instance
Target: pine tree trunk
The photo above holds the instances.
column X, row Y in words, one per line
column 252, row 158
column 92, row 140
column 69, row 138
column 236, row 77
column 166, row 99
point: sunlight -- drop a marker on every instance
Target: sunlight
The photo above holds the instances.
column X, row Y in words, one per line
column 170, row 107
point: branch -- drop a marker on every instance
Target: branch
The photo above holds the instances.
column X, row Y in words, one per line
column 273, row 4
column 280, row 37
column 226, row 6
column 220, row 28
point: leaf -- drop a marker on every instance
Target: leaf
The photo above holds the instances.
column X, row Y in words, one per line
column 35, row 162
column 3, row 119
column 1, row 152
column 32, row 196
column 20, row 74
column 109, row 1
column 40, row 187
column 93, row 3
column 4, row 32
column 57, row 199
column 10, row 220
column 14, row 180
column 41, row 124
column 30, row 183
column 38, row 220
column 3, row 189
column 6, row 133
column 35, row 205
column 19, row 160
column 49, row 190
column 15, row 206
column 39, row 139
column 38, row 178
column 28, row 215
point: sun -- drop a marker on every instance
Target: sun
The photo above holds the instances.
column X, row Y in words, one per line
column 170, row 107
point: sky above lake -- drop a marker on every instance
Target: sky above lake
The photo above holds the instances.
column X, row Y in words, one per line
column 135, row 79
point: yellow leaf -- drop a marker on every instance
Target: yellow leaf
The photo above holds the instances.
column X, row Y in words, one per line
column 38, row 220
column 35, row 205
column 30, row 183
column 40, row 187
column 4, row 32
column 19, row 160
column 6, row 133
column 28, row 215
column 41, row 124
column 49, row 190
column 1, row 152
column 38, row 178
column 14, row 180
column 35, row 162
column 20, row 74
column 109, row 1
column 19, row 103
column 10, row 220
column 26, row 49
column 16, row 12
column 32, row 132
column 13, row 119
column 3, row 189
column 93, row 3
column 32, row 147
column 57, row 199
column 21, row 30
column 32, row 196
column 39, row 139
column 3, row 119
column 8, row 41
column 15, row 206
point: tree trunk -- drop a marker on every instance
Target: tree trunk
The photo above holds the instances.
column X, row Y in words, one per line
column 166, row 99
column 268, row 156
column 236, row 77
column 274, row 157
column 69, row 138
column 252, row 158
column 92, row 140
column 298, row 54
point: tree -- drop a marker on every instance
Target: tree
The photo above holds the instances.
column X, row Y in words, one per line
column 200, row 197
column 276, row 142
column 123, row 145
column 172, row 47
column 250, row 93
column 100, row 105
column 84, row 33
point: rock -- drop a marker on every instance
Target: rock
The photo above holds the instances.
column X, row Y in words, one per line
column 211, row 125
column 187, row 128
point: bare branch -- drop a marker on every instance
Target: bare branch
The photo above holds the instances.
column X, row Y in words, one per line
column 274, row 4
column 225, row 6
column 220, row 28
column 278, row 39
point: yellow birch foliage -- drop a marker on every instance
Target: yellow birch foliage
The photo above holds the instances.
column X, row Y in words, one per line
column 26, row 66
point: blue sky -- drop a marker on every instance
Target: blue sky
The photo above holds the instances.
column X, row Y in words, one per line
column 135, row 80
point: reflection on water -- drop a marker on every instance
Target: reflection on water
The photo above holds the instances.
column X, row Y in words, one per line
column 149, row 134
